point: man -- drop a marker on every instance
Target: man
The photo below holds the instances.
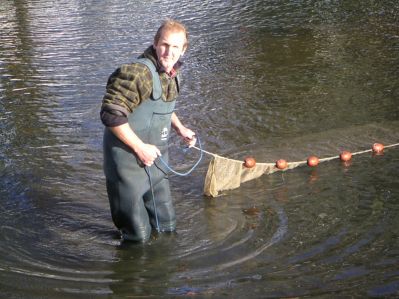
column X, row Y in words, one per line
column 138, row 112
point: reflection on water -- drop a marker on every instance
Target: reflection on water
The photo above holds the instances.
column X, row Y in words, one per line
column 274, row 79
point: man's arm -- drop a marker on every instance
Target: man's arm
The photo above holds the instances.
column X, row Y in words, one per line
column 147, row 153
column 126, row 88
column 187, row 134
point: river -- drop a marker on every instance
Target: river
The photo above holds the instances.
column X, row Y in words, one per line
column 272, row 79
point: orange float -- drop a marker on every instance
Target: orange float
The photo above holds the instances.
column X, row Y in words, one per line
column 345, row 156
column 378, row 148
column 281, row 164
column 313, row 161
column 249, row 162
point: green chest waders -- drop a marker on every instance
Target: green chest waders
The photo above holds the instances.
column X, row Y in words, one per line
column 132, row 188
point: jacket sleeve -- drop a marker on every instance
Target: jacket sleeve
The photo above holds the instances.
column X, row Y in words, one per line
column 126, row 88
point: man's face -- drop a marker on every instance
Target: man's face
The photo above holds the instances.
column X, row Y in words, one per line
column 169, row 48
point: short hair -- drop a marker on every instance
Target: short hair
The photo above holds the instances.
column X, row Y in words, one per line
column 171, row 25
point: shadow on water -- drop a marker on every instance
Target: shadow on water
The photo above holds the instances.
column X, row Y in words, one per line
column 275, row 80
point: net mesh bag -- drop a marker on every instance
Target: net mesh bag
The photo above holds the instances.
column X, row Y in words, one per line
column 226, row 174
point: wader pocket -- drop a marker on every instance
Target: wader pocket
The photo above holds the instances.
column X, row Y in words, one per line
column 159, row 128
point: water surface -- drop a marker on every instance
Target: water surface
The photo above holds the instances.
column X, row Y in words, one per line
column 275, row 79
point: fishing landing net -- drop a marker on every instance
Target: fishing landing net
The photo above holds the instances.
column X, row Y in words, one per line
column 227, row 174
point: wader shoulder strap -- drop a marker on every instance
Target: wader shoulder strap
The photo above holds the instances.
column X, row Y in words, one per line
column 178, row 80
column 156, row 81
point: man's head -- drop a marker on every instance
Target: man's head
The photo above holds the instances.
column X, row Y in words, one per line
column 170, row 42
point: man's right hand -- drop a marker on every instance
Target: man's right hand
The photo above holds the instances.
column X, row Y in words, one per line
column 147, row 153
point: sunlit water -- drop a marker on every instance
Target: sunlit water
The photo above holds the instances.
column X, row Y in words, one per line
column 275, row 79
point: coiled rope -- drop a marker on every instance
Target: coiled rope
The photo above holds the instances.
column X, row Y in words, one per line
column 192, row 168
column 173, row 171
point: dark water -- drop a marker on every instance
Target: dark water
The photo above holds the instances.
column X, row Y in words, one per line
column 270, row 78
